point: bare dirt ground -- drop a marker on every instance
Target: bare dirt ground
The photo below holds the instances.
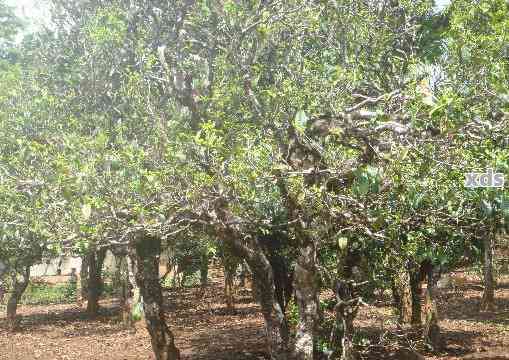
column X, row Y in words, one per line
column 204, row 330
column 467, row 332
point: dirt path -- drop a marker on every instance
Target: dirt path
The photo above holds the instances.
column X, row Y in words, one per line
column 204, row 330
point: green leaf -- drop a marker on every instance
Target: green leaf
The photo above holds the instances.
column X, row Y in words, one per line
column 301, row 120
column 86, row 211
column 342, row 243
column 487, row 208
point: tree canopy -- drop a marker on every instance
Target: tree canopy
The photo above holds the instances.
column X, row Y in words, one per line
column 331, row 136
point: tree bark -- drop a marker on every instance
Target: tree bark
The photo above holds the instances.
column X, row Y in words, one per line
column 118, row 280
column 305, row 277
column 18, row 288
column 82, row 292
column 204, row 270
column 431, row 333
column 147, row 277
column 94, row 284
column 249, row 249
column 403, row 296
column 488, row 298
column 124, row 290
column 347, row 305
column 416, row 289
column 306, row 295
column 229, row 286
column 132, row 294
column 243, row 275
column 276, row 325
column 346, row 311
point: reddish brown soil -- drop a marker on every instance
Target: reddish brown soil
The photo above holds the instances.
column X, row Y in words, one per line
column 204, row 331
column 203, row 328
column 467, row 332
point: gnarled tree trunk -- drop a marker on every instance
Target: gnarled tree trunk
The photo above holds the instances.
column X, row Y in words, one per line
column 94, row 284
column 230, row 265
column 204, row 270
column 402, row 293
column 18, row 288
column 132, row 296
column 346, row 310
column 347, row 305
column 243, row 275
column 121, row 283
column 148, row 250
column 249, row 249
column 306, row 295
column 117, row 281
column 276, row 324
column 488, row 298
column 229, row 287
column 416, row 290
column 82, row 290
column 431, row 333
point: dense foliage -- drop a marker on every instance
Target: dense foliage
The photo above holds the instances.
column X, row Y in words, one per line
column 324, row 143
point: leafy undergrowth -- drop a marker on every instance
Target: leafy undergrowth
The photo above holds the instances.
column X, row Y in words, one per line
column 205, row 331
column 43, row 293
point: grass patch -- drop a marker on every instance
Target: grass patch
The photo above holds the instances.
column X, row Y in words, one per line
column 41, row 293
